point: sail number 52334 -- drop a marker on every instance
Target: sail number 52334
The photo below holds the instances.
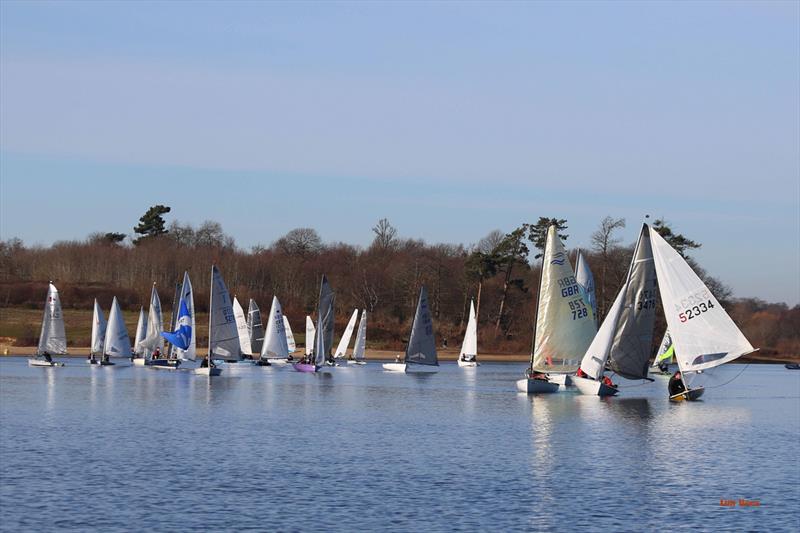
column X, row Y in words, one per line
column 695, row 311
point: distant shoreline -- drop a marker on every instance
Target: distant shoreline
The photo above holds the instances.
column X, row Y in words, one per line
column 389, row 355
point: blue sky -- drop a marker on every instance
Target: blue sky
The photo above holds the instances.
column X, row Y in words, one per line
column 450, row 119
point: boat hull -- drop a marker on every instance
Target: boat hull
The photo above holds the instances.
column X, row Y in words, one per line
column 467, row 364
column 565, row 380
column 537, row 386
column 591, row 387
column 687, row 395
column 208, row 371
column 42, row 362
column 170, row 364
column 394, row 367
column 792, row 366
column 140, row 361
column 278, row 362
column 351, row 362
column 304, row 367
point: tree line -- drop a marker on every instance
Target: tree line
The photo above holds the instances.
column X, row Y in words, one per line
column 500, row 273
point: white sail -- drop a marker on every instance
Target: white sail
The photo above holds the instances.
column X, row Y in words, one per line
column 470, row 345
column 625, row 338
column 289, row 335
column 141, row 333
column 344, row 342
column 155, row 324
column 255, row 328
column 117, row 343
column 310, row 332
column 275, row 345
column 52, row 339
column 323, row 341
column 565, row 323
column 421, row 347
column 223, row 336
column 98, row 330
column 584, row 277
column 703, row 334
column 361, row 338
column 241, row 326
column 187, row 295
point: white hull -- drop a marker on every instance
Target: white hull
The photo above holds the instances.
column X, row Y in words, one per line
column 42, row 362
column 208, row 371
column 279, row 362
column 537, row 386
column 565, row 380
column 591, row 387
column 394, row 367
column 467, row 364
column 139, row 361
column 351, row 362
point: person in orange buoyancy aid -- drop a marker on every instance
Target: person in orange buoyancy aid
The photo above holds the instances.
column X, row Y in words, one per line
column 607, row 381
column 581, row 374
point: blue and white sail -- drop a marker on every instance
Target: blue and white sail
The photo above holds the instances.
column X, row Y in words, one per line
column 585, row 279
column 183, row 335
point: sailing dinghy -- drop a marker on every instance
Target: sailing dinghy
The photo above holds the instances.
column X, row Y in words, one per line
column 420, row 356
column 563, row 325
column 275, row 349
column 141, row 333
column 98, row 334
column 703, row 334
column 52, row 339
column 223, row 336
column 183, row 339
column 468, row 357
column 344, row 342
column 310, row 332
column 242, row 329
column 624, row 341
column 361, row 342
column 153, row 342
column 289, row 335
column 117, row 342
column 255, row 328
column 323, row 340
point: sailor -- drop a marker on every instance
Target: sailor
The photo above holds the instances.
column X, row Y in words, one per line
column 581, row 374
column 676, row 385
column 607, row 381
column 47, row 357
column 156, row 353
column 663, row 366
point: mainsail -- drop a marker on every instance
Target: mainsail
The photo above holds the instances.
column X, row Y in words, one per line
column 223, row 337
column 275, row 345
column 155, row 324
column 289, row 335
column 344, row 342
column 361, row 338
column 254, row 327
column 421, row 347
column 241, row 327
column 703, row 334
column 141, row 333
column 585, row 279
column 564, row 322
column 324, row 338
column 117, row 342
column 98, row 330
column 470, row 345
column 52, row 339
column 186, row 317
column 310, row 333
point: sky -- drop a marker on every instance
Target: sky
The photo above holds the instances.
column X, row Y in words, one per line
column 449, row 119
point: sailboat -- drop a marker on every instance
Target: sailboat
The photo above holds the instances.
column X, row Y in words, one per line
column 255, row 329
column 117, row 342
column 585, row 279
column 361, row 342
column 664, row 356
column 242, row 329
column 310, row 332
column 324, row 331
column 52, row 339
column 624, row 341
column 344, row 342
column 141, row 333
column 223, row 336
column 420, row 356
column 289, row 335
column 275, row 348
column 563, row 325
column 98, row 334
column 468, row 357
column 703, row 334
column 183, row 338
column 153, row 342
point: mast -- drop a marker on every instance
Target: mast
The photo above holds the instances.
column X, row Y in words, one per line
column 210, row 318
column 538, row 301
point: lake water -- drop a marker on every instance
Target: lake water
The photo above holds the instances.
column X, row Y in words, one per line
column 271, row 449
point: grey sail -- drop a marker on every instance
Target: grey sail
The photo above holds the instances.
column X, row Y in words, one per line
column 173, row 321
column 52, row 339
column 255, row 328
column 422, row 344
column 323, row 342
column 223, row 342
column 632, row 346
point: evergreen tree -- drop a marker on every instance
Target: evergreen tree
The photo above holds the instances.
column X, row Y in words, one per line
column 537, row 233
column 676, row 240
column 151, row 224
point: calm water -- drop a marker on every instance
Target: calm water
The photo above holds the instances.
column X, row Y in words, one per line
column 271, row 449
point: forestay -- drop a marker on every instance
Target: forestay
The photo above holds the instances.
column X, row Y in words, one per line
column 98, row 330
column 702, row 332
column 470, row 345
column 289, row 335
column 421, row 347
column 52, row 339
column 585, row 279
column 564, row 322
column 275, row 345
column 324, row 337
column 241, row 327
column 117, row 342
column 255, row 329
column 223, row 335
column 344, row 342
column 361, row 338
column 141, row 333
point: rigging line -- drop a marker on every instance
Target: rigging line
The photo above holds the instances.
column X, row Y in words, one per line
column 733, row 378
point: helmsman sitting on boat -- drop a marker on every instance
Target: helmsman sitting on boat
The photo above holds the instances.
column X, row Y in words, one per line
column 676, row 385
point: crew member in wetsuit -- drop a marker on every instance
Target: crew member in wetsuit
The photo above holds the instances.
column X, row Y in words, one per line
column 676, row 385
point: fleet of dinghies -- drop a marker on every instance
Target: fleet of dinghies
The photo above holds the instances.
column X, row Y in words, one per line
column 567, row 350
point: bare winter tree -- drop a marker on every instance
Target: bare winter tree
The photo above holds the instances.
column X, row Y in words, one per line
column 302, row 242
column 385, row 235
column 603, row 242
